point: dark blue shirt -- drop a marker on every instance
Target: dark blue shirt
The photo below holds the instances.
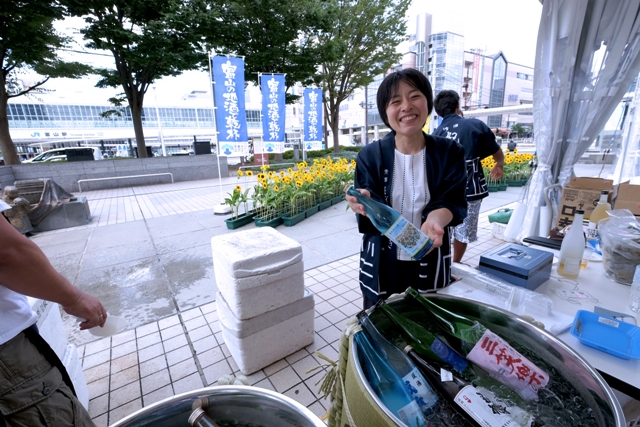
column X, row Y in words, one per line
column 478, row 142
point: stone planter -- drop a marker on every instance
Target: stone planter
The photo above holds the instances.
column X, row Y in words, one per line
column 311, row 211
column 242, row 219
column 290, row 221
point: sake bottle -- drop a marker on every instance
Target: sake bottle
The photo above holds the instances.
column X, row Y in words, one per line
column 419, row 388
column 487, row 350
column 393, row 225
column 477, row 404
column 387, row 384
column 600, row 211
column 572, row 248
column 424, row 341
column 199, row 418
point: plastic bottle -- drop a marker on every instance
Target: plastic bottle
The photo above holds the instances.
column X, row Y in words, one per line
column 199, row 418
column 419, row 388
column 387, row 384
column 600, row 211
column 393, row 225
column 572, row 249
column 486, row 349
column 477, row 404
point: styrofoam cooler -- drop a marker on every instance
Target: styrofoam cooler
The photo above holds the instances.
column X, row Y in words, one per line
column 71, row 362
column 257, row 270
column 262, row 340
column 50, row 325
column 251, row 296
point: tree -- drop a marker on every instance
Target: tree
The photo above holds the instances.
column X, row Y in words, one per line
column 272, row 36
column 149, row 39
column 28, row 43
column 518, row 129
column 364, row 40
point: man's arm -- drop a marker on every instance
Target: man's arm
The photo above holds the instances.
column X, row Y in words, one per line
column 25, row 269
column 497, row 170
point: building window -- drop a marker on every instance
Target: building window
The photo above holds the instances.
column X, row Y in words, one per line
column 524, row 76
column 526, row 89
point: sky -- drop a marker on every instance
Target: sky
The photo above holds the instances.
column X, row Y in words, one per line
column 510, row 26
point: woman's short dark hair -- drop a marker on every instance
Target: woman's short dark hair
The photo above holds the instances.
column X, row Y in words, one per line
column 389, row 87
column 446, row 102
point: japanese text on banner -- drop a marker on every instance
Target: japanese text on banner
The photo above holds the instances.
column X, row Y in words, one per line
column 313, row 114
column 228, row 87
column 273, row 111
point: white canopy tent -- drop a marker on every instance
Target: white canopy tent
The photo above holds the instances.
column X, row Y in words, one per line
column 586, row 59
column 514, row 109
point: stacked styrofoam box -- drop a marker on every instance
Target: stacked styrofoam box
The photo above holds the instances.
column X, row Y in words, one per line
column 52, row 330
column 264, row 310
column 71, row 362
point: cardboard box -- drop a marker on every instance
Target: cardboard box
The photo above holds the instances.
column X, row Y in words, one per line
column 627, row 196
column 580, row 193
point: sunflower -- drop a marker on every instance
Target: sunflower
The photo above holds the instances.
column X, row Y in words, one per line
column 238, row 188
column 240, row 172
column 299, row 183
column 249, row 173
column 275, row 188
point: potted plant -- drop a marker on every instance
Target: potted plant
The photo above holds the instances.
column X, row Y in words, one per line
column 234, row 200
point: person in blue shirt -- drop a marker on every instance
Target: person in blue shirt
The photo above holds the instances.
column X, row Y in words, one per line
column 479, row 142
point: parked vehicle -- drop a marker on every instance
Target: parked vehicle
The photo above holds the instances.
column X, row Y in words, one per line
column 60, row 155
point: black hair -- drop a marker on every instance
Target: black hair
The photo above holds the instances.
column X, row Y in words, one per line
column 446, row 102
column 389, row 87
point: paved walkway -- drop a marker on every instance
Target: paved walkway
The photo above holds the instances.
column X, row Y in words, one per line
column 146, row 255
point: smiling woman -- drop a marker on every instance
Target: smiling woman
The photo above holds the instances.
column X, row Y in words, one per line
column 420, row 176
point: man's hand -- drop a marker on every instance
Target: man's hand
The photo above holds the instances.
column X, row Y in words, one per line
column 497, row 170
column 353, row 202
column 88, row 308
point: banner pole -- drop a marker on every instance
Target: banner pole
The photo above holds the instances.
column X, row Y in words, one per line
column 220, row 209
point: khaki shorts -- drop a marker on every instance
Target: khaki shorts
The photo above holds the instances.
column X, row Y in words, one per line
column 33, row 392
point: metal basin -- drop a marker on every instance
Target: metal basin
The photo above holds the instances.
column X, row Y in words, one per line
column 563, row 358
column 244, row 404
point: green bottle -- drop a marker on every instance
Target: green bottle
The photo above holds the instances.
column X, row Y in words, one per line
column 487, row 350
column 425, row 343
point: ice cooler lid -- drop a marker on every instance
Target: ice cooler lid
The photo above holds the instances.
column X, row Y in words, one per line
column 519, row 260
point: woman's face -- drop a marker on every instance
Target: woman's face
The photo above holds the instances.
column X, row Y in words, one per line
column 408, row 110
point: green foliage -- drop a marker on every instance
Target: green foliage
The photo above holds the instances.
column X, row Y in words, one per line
column 363, row 42
column 149, row 39
column 518, row 129
column 272, row 36
column 28, row 43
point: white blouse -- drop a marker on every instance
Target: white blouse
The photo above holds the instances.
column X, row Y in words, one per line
column 409, row 190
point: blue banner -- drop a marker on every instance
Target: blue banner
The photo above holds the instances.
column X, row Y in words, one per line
column 312, row 115
column 231, row 119
column 273, row 111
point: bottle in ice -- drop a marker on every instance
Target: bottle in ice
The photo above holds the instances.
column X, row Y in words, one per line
column 487, row 350
column 427, row 344
column 572, row 249
column 477, row 404
column 393, row 225
column 387, row 384
column 419, row 388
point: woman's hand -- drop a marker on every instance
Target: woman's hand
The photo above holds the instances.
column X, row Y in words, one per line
column 353, row 202
column 432, row 228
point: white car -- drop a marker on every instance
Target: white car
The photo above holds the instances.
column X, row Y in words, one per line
column 60, row 154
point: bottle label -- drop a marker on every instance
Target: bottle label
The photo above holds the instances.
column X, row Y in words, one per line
column 507, row 365
column 485, row 412
column 408, row 237
column 416, row 384
column 411, row 415
column 572, row 266
column 448, row 356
